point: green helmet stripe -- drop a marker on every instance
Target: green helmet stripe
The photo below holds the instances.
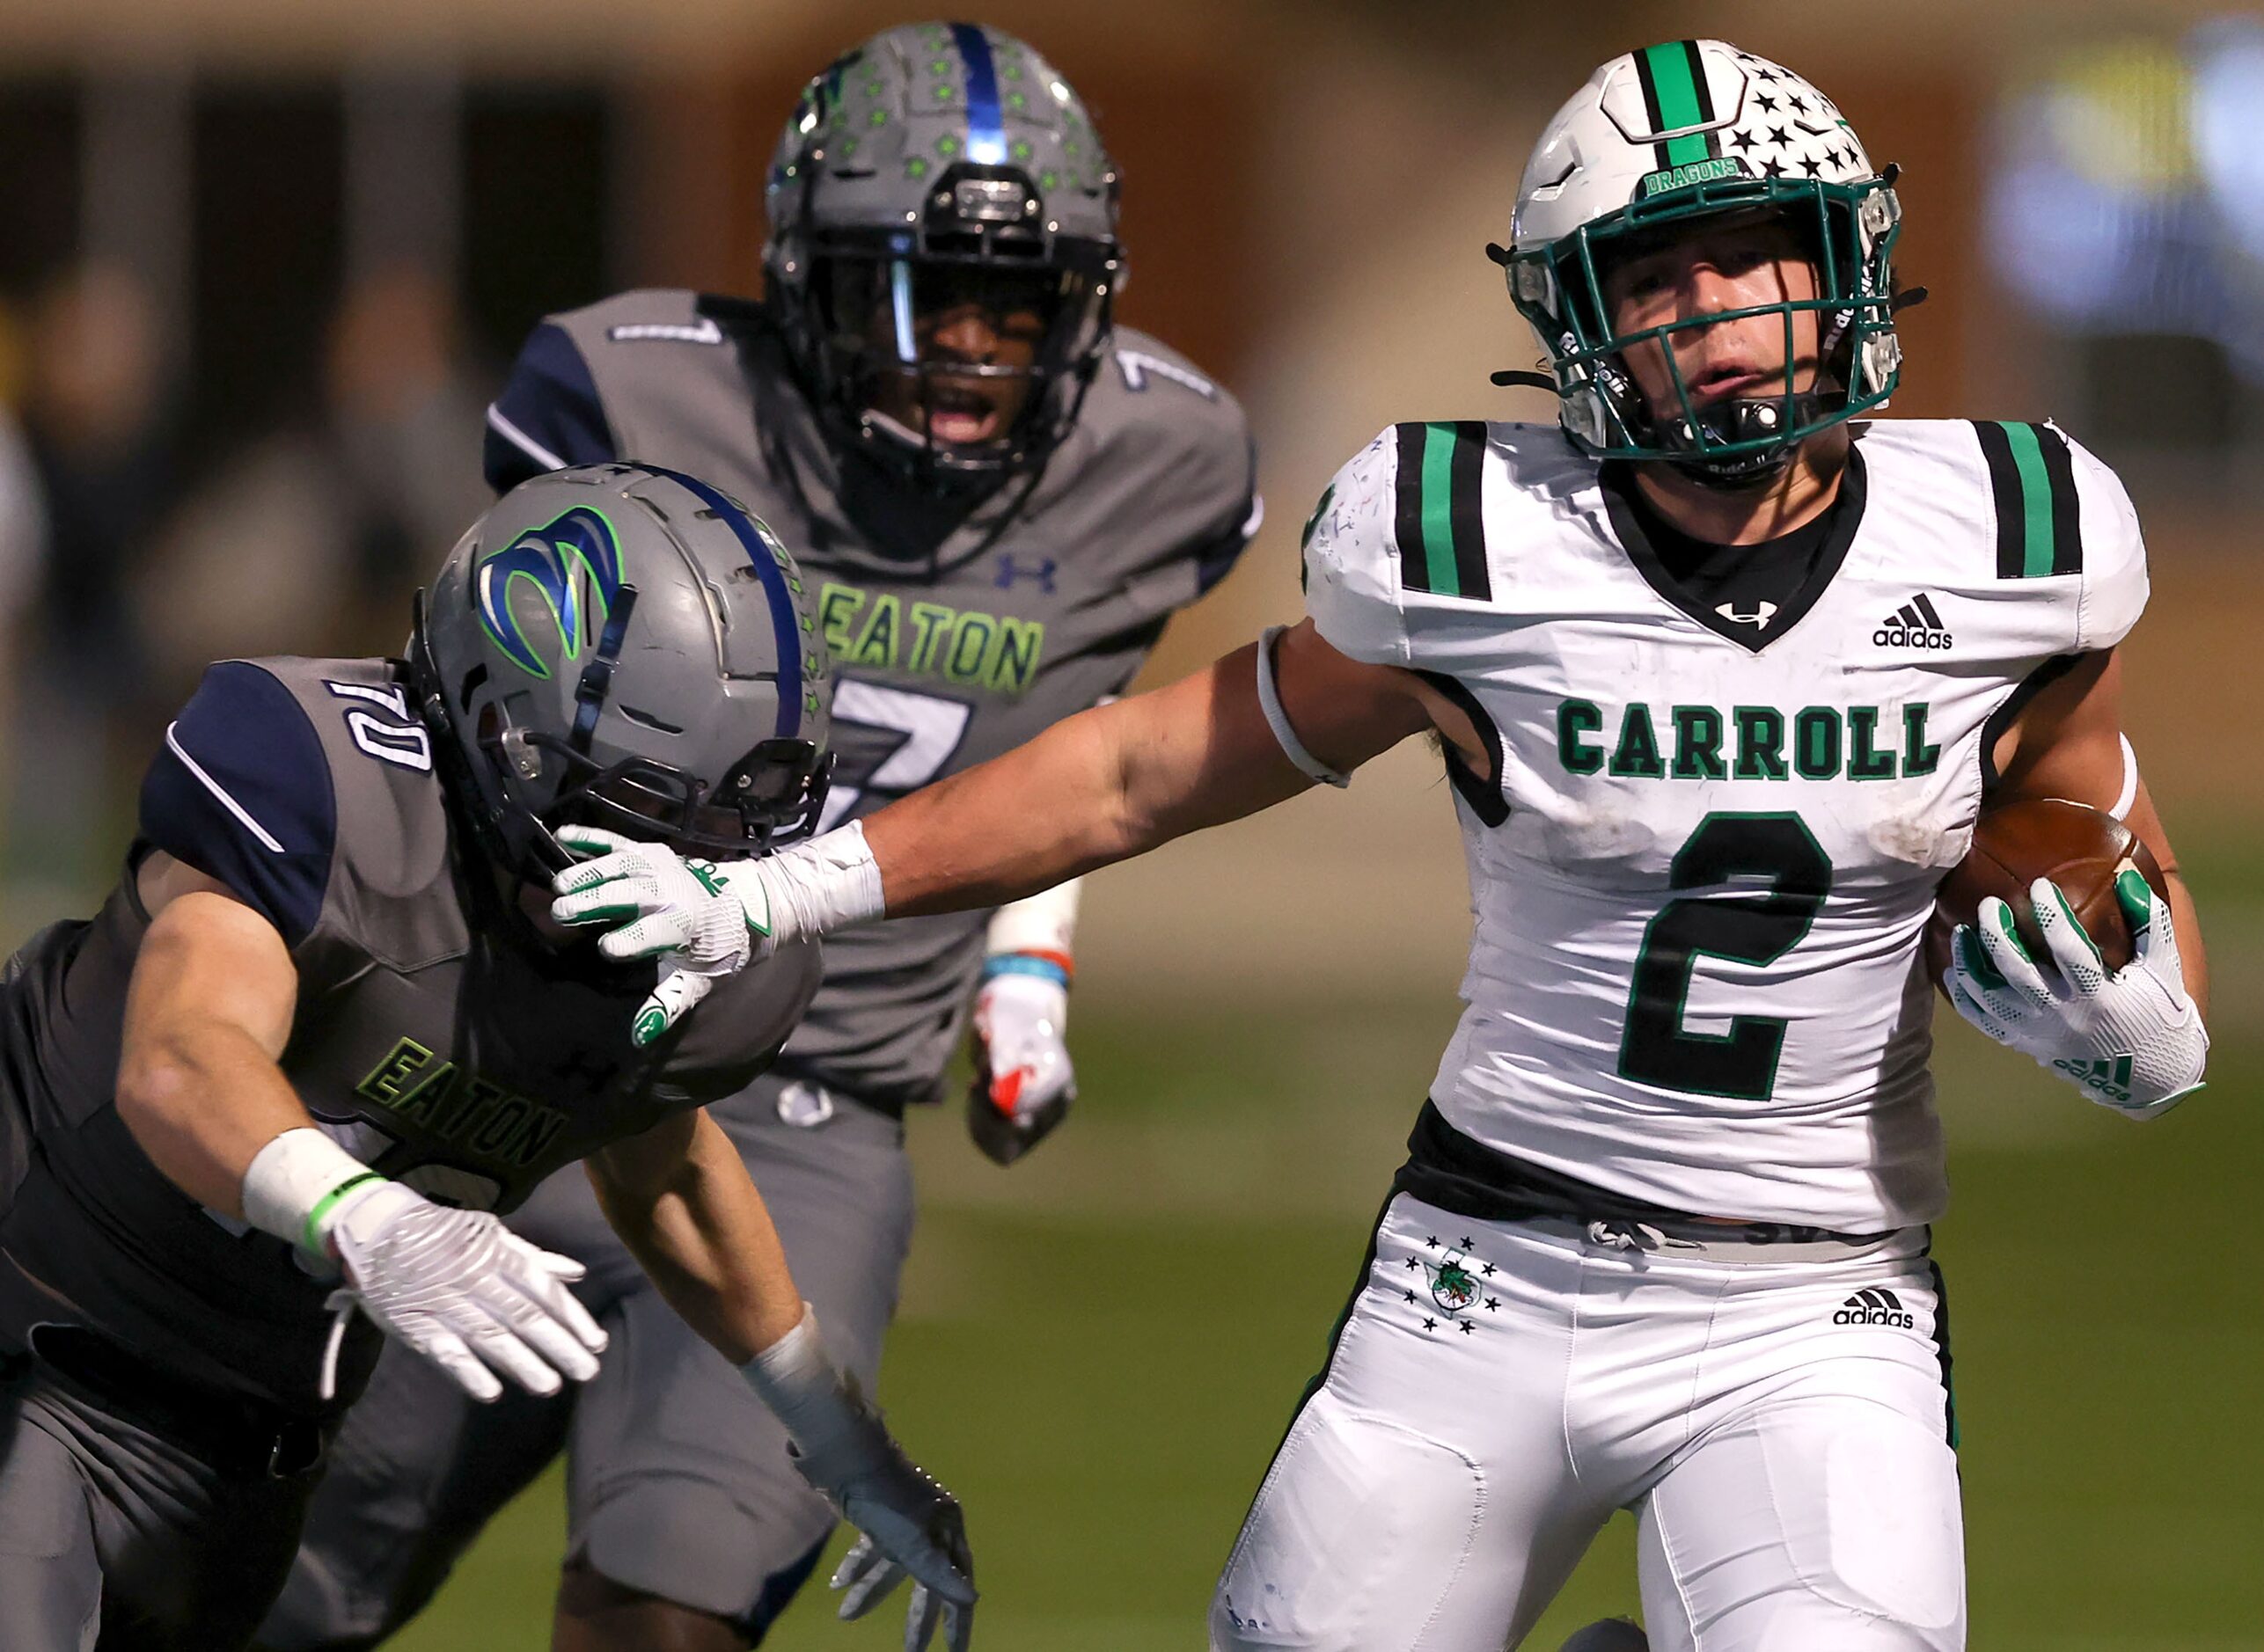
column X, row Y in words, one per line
column 1674, row 77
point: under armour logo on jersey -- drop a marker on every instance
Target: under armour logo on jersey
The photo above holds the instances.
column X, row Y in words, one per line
column 1011, row 571
column 1758, row 618
column 1878, row 1306
column 1914, row 625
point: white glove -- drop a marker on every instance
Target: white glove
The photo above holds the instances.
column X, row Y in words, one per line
column 704, row 920
column 908, row 1524
column 1024, row 1081
column 459, row 1288
column 707, row 919
column 2133, row 1040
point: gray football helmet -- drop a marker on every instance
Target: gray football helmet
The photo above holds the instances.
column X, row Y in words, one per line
column 940, row 163
column 626, row 647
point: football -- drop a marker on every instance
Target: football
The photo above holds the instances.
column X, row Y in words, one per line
column 2076, row 846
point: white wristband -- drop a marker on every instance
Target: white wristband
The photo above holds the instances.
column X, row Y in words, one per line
column 291, row 1186
column 825, row 884
column 1268, row 700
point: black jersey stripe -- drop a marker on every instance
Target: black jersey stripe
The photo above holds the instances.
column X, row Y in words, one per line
column 1407, row 519
column 1466, row 513
column 2067, row 516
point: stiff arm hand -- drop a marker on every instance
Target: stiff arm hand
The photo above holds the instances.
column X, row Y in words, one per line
column 704, row 919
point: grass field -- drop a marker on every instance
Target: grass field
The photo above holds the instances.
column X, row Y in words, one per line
column 1101, row 1347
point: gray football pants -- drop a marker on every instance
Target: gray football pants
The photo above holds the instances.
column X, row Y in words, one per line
column 679, row 1483
column 107, row 1530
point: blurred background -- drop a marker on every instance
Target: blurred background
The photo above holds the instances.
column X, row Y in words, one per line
column 261, row 264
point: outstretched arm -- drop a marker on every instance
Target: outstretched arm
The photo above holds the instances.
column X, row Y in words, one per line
column 1122, row 778
column 1104, row 785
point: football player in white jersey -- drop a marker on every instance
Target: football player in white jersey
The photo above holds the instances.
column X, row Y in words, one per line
column 1724, row 679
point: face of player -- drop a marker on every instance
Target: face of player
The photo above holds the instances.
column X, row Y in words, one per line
column 958, row 322
column 1710, row 272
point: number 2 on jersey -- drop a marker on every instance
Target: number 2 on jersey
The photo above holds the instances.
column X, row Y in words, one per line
column 1755, row 929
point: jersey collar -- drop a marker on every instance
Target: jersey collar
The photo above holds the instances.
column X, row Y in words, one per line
column 1627, row 529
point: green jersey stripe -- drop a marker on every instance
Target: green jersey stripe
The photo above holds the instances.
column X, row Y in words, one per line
column 1438, row 509
column 2035, row 500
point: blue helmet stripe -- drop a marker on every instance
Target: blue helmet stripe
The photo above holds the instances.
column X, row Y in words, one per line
column 986, row 130
column 784, row 615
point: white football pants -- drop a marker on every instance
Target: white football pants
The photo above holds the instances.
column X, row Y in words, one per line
column 1776, row 1415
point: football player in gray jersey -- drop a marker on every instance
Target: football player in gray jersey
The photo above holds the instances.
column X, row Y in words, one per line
column 280, row 1089
column 1001, row 498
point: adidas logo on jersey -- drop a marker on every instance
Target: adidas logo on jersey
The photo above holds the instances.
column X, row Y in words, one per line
column 1914, row 625
column 1875, row 1307
column 2111, row 1078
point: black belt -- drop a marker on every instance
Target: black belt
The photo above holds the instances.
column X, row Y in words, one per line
column 235, row 1434
column 1460, row 1173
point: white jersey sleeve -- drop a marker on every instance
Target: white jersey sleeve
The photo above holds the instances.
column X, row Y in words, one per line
column 2115, row 583
column 1352, row 565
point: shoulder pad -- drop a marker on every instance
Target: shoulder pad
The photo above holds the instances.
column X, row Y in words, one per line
column 1351, row 571
column 2061, row 513
column 241, row 790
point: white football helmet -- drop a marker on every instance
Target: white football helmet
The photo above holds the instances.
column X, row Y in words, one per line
column 1677, row 132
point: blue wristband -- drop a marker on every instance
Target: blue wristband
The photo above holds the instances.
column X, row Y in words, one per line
column 1025, row 963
